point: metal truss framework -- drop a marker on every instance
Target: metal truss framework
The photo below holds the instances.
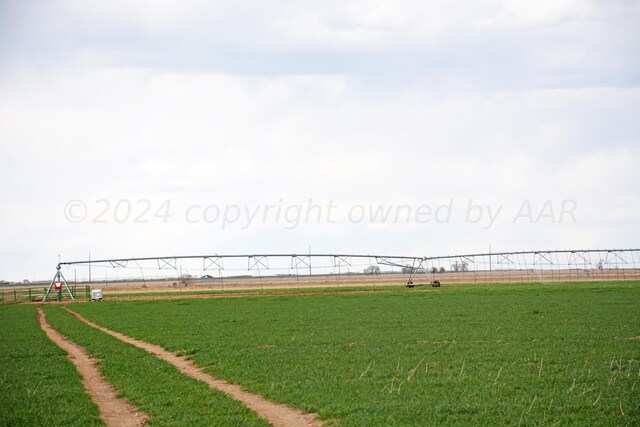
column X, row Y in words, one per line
column 596, row 264
column 56, row 283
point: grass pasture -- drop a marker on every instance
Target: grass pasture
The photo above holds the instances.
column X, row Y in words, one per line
column 485, row 354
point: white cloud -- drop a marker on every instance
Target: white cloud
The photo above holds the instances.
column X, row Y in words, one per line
column 86, row 126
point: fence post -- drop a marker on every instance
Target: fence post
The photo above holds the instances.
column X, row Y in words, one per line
column 30, row 299
column 87, row 292
column 15, row 296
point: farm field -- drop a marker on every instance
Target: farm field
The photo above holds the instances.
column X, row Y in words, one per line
column 489, row 354
column 38, row 385
column 525, row 354
column 154, row 386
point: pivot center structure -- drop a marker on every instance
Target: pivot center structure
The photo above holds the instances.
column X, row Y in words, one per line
column 57, row 283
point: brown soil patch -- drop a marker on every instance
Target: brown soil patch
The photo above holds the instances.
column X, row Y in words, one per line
column 277, row 414
column 114, row 411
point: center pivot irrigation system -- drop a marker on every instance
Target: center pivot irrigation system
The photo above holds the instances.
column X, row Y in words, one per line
column 524, row 266
column 255, row 262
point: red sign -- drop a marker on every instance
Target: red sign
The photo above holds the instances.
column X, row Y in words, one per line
column 57, row 286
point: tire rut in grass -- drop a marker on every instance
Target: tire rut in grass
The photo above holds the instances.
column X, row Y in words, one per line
column 114, row 411
column 277, row 414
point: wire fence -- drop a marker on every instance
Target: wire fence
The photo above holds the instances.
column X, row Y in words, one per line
column 35, row 294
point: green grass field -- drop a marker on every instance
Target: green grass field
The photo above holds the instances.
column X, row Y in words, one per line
column 552, row 354
column 490, row 354
column 38, row 385
column 154, row 386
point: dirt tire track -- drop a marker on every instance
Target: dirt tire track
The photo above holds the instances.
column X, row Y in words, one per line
column 114, row 411
column 277, row 414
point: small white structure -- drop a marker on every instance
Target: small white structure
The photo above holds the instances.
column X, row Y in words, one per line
column 96, row 294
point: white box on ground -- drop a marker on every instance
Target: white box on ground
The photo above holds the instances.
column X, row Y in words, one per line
column 96, row 294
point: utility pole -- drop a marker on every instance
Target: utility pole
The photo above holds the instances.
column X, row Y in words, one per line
column 89, row 268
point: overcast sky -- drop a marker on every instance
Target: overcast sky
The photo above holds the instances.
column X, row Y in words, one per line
column 158, row 128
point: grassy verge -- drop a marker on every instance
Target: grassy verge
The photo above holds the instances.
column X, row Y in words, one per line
column 38, row 385
column 565, row 353
column 157, row 388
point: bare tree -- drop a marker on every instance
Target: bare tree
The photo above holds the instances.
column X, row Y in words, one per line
column 372, row 269
column 460, row 266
